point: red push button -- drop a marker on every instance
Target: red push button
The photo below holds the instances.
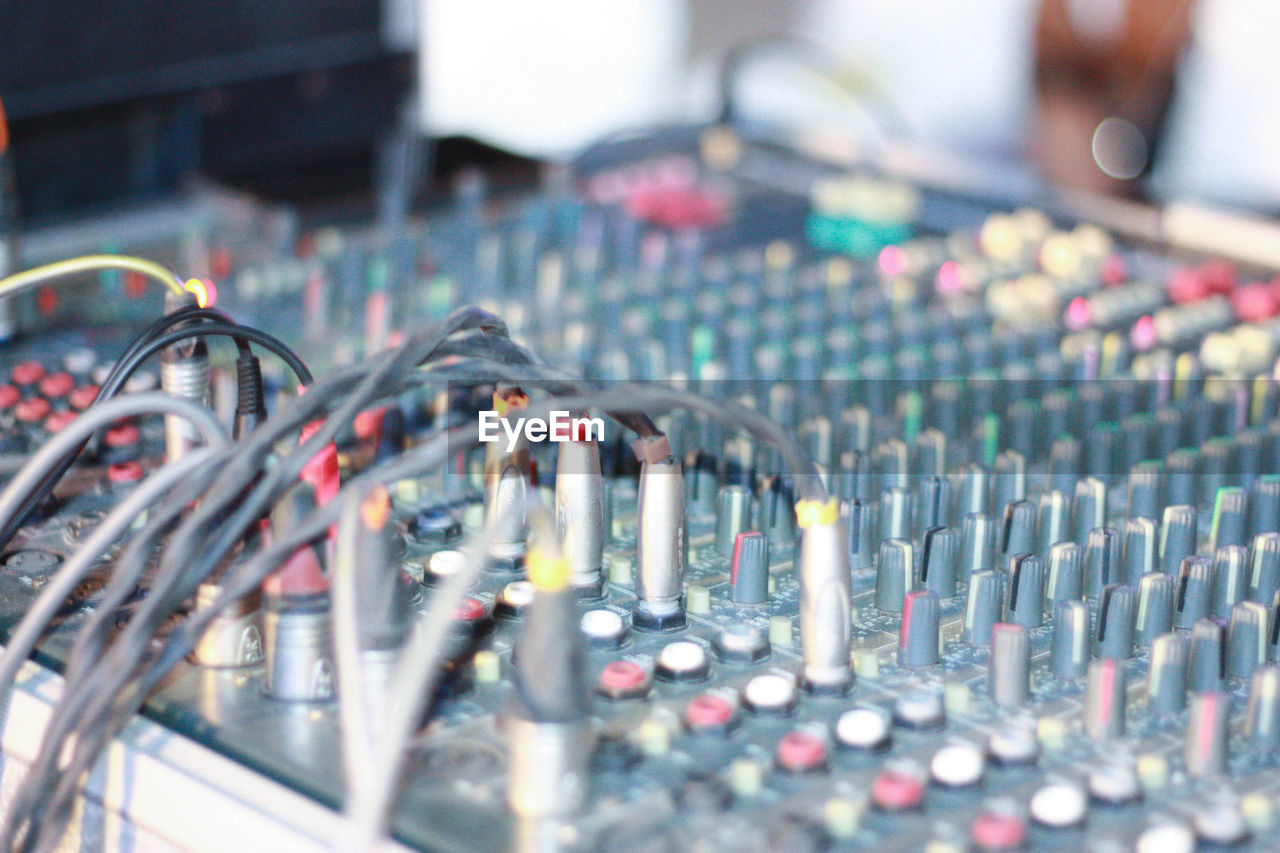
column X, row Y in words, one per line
column 993, row 831
column 623, row 679
column 469, row 610
column 82, row 398
column 27, row 373
column 1255, row 302
column 32, row 410
column 124, row 472
column 1187, row 285
column 58, row 420
column 57, row 385
column 801, row 752
column 121, row 436
column 709, row 712
column 896, row 790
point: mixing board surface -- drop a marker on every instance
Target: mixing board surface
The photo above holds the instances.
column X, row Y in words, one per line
column 1025, row 600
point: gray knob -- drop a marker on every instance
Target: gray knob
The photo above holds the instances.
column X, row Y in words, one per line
column 1088, row 508
column 938, row 561
column 1054, row 520
column 1140, row 545
column 977, row 544
column 918, row 636
column 895, row 514
column 1208, row 656
column 1017, row 533
column 1025, row 604
column 1009, row 670
column 1069, row 645
column 1114, row 637
column 1177, row 537
column 1167, row 674
column 893, row 574
column 1155, row 607
column 1101, row 561
column 1264, row 568
column 973, row 497
column 749, row 572
column 1264, row 505
column 1144, row 490
column 1206, row 744
column 1228, row 525
column 1262, row 716
column 1010, row 477
column 1066, row 572
column 733, row 515
column 982, row 606
column 1194, row 592
column 935, row 502
column 1230, row 567
column 856, row 516
column 1246, row 639
column 1104, row 699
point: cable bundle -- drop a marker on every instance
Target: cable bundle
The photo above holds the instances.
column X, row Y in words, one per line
column 207, row 504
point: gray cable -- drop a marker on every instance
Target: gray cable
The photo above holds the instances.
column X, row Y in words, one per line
column 416, row 675
column 90, row 421
column 24, row 637
column 353, row 710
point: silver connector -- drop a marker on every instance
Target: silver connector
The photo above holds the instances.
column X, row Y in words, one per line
column 580, row 511
column 548, row 767
column 299, row 660
column 660, row 538
column 506, row 486
column 234, row 638
column 826, row 605
column 184, row 374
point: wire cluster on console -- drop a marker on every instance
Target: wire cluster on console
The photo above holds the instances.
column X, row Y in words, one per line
column 204, row 511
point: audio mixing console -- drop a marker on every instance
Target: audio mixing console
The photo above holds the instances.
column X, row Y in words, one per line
column 925, row 523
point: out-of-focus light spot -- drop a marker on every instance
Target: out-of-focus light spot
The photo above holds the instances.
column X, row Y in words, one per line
column 951, row 278
column 1000, row 238
column 47, row 300
column 1143, row 335
column 1113, row 270
column 1059, row 255
column 1119, row 149
column 1218, row 275
column 893, row 260
column 205, row 292
column 1255, row 302
column 1078, row 314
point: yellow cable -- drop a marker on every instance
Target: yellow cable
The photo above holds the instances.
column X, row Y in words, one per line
column 27, row 279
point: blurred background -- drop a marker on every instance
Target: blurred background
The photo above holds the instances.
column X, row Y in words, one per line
column 317, row 102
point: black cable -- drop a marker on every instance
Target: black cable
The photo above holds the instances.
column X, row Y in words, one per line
column 180, row 570
column 305, row 409
column 241, row 582
column 136, row 638
column 732, row 414
column 173, row 583
column 143, row 348
column 505, row 350
column 190, row 313
column 93, row 635
column 809, row 485
column 134, row 641
column 214, row 329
